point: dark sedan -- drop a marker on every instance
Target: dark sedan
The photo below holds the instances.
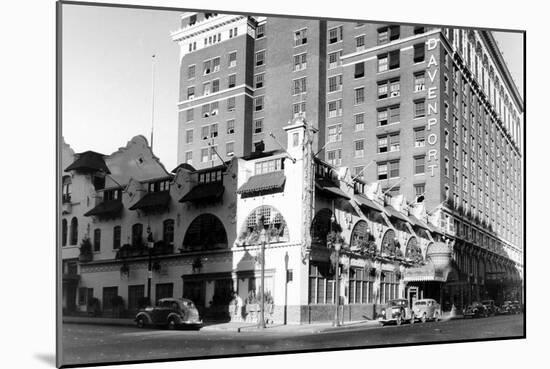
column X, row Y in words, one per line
column 171, row 313
column 475, row 310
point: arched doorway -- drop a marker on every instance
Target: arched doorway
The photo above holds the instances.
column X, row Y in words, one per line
column 268, row 218
column 206, row 232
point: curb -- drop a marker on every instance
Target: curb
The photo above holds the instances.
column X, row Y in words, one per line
column 99, row 321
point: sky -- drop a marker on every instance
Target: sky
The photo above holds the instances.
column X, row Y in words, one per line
column 107, row 77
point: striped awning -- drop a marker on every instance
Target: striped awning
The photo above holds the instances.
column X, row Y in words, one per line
column 204, row 192
column 329, row 188
column 362, row 200
column 152, row 200
column 396, row 214
column 108, row 207
column 263, row 182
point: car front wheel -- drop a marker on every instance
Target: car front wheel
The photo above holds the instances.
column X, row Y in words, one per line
column 140, row 322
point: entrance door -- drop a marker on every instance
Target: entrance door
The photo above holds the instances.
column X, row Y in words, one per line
column 195, row 291
column 412, row 295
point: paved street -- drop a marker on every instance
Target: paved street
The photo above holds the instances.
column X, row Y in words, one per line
column 100, row 343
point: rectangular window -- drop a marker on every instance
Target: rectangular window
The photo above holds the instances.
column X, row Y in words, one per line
column 299, row 86
column 206, row 67
column 394, row 169
column 190, row 93
column 298, row 109
column 230, row 103
column 204, row 155
column 335, row 83
column 231, row 126
column 191, row 71
column 359, row 148
column 189, row 157
column 419, row 52
column 260, row 31
column 359, row 70
column 334, row 133
column 215, row 85
column 230, row 148
column 206, row 88
column 300, row 62
column 389, row 88
column 232, row 59
column 300, row 37
column 419, row 81
column 335, row 34
column 116, row 237
column 359, row 95
column 260, row 58
column 260, row 80
column 334, row 157
column 189, row 114
column 259, row 103
column 335, row 108
column 216, row 64
column 420, row 137
column 258, row 125
column 97, row 240
column 189, row 136
column 382, row 171
column 214, row 108
column 389, row 33
column 419, row 189
column 214, row 130
column 231, row 81
column 360, row 43
column 334, row 59
column 359, row 122
column 205, row 132
column 205, row 110
column 394, row 142
column 420, row 108
column 419, row 165
column 383, row 144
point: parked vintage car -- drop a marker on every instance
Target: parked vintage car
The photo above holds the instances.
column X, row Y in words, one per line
column 397, row 311
column 171, row 313
column 475, row 310
column 490, row 307
column 426, row 309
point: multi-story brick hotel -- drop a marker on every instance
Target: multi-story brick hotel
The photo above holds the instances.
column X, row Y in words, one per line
column 429, row 112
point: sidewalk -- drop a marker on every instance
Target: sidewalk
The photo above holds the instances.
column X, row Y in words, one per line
column 233, row 326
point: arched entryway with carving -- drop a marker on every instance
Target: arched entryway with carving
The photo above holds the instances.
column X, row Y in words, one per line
column 390, row 244
column 264, row 217
column 413, row 251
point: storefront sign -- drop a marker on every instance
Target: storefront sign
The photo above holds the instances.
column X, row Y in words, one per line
column 432, row 71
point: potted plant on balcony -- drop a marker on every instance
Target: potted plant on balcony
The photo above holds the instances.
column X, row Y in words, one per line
column 86, row 253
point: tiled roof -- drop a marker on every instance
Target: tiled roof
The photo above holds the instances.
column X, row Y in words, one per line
column 263, row 182
column 106, row 208
column 204, row 191
column 365, row 201
column 329, row 188
column 152, row 199
column 89, row 161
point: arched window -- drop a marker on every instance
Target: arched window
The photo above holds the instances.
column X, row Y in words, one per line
column 360, row 233
column 321, row 226
column 64, row 232
column 389, row 244
column 97, row 239
column 137, row 234
column 273, row 223
column 168, row 231
column 413, row 251
column 206, row 232
column 74, row 231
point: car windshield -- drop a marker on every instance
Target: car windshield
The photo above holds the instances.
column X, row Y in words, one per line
column 420, row 303
column 397, row 303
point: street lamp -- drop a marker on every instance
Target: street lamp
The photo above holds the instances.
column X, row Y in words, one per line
column 150, row 245
column 263, row 236
column 337, row 247
column 286, row 287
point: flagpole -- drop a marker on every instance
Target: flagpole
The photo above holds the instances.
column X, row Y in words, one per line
column 152, row 97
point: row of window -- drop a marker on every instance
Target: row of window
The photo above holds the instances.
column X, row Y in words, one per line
column 385, row 115
column 136, row 235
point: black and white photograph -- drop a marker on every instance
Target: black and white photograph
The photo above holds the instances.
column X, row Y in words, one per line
column 255, row 184
column 238, row 184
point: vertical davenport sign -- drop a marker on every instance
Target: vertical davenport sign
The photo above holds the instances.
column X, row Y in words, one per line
column 432, row 102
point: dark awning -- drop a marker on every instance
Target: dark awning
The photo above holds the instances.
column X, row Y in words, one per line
column 204, row 191
column 396, row 214
column 109, row 207
column 89, row 161
column 152, row 200
column 263, row 182
column 365, row 201
column 417, row 222
column 329, row 188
